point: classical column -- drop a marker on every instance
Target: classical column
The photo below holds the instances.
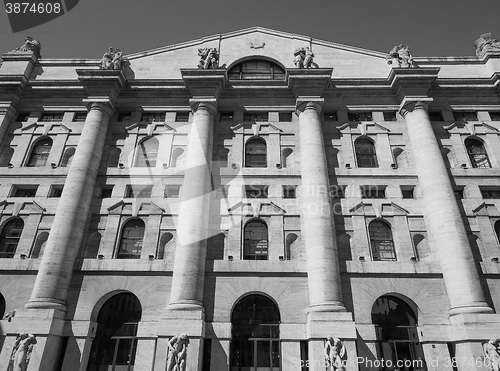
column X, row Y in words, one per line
column 443, row 216
column 192, row 229
column 321, row 250
column 54, row 276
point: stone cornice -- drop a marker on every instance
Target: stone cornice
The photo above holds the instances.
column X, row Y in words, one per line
column 204, row 83
column 308, row 81
column 412, row 81
column 102, row 86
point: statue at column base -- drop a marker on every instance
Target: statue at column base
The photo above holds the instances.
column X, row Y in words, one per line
column 30, row 45
column 21, row 352
column 487, row 45
column 177, row 352
column 492, row 352
column 335, row 354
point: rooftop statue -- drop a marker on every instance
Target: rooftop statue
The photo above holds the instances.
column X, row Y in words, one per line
column 303, row 58
column 30, row 45
column 486, row 44
column 400, row 56
column 209, row 58
column 113, row 60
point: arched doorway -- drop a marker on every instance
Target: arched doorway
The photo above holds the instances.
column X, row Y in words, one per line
column 255, row 340
column 397, row 337
column 115, row 343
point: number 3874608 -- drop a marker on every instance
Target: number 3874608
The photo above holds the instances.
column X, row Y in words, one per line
column 39, row 8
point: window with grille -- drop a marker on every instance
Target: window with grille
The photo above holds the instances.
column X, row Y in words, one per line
column 256, row 69
column 256, row 153
column 40, row 153
column 153, row 117
column 131, row 240
column 256, row 191
column 477, row 153
column 366, row 155
column 465, row 115
column 9, row 238
column 255, row 244
column 359, row 116
column 51, row 117
column 381, row 241
column 255, row 116
column 147, row 151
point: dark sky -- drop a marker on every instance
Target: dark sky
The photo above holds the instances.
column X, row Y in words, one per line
column 429, row 27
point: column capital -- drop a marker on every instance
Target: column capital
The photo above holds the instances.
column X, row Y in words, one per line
column 304, row 103
column 104, row 106
column 207, row 103
column 103, row 86
column 409, row 104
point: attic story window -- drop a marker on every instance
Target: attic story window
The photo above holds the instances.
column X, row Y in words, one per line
column 256, row 69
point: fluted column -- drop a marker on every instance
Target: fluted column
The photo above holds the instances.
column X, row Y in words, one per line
column 322, row 262
column 443, row 215
column 54, row 276
column 192, row 228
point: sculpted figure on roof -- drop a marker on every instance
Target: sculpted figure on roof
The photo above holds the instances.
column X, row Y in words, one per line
column 30, row 45
column 113, row 59
column 303, row 58
column 486, row 44
column 400, row 56
column 209, row 58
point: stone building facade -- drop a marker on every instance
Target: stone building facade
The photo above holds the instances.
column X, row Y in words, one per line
column 257, row 191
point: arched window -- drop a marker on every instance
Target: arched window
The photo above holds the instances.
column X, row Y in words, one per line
column 497, row 230
column 115, row 341
column 255, row 334
column 113, row 157
column 381, row 240
column 6, row 156
column 255, row 241
column 177, row 157
column 422, row 248
column 147, row 152
column 2, row 306
column 92, row 246
column 41, row 241
column 396, row 329
column 131, row 240
column 68, row 157
column 165, row 240
column 40, row 153
column 400, row 158
column 286, row 157
column 290, row 242
column 366, row 156
column 256, row 153
column 256, row 69
column 477, row 153
column 223, row 157
column 10, row 236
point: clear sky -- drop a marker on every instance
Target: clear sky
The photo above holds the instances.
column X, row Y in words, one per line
column 429, row 27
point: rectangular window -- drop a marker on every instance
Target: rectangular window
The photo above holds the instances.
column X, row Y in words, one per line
column 24, row 191
column 408, row 191
column 330, row 116
column 256, row 191
column 106, row 192
column 226, row 116
column 153, row 117
column 172, row 191
column 359, row 116
column 285, row 117
column 373, row 191
column 124, row 116
column 80, row 117
column 289, row 191
column 465, row 115
column 390, row 116
column 182, row 117
column 337, row 191
column 459, row 192
column 494, row 115
column 435, row 116
column 138, row 191
column 489, row 193
column 56, row 190
column 51, row 117
column 255, row 116
column 23, row 116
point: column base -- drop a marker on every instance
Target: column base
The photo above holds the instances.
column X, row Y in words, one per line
column 473, row 308
column 46, row 304
column 333, row 306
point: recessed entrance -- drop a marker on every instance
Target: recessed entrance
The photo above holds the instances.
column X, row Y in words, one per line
column 255, row 344
column 115, row 344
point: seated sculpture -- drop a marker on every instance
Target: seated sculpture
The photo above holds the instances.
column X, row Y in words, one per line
column 486, row 44
column 113, row 60
column 30, row 45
